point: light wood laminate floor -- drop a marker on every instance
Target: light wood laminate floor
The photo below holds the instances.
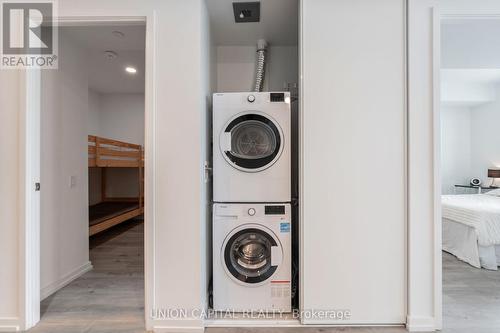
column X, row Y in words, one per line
column 110, row 297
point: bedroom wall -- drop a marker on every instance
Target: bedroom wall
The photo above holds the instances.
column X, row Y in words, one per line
column 456, row 153
column 119, row 117
column 64, row 208
column 485, row 138
column 93, row 128
column 236, row 67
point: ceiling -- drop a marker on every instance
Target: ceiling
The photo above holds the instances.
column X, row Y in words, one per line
column 278, row 23
column 108, row 76
column 470, row 61
column 470, row 43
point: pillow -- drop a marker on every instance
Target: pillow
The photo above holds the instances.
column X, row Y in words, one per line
column 495, row 193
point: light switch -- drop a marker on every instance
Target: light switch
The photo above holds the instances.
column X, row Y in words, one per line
column 72, row 181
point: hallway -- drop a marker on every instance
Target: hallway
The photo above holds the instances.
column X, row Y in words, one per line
column 109, row 298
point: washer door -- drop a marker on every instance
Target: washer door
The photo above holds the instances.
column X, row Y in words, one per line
column 251, row 142
column 251, row 254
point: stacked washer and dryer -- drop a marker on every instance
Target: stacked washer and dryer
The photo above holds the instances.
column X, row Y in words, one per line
column 252, row 255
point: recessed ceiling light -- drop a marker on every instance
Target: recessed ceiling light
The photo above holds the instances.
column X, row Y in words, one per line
column 118, row 34
column 130, row 70
column 110, row 55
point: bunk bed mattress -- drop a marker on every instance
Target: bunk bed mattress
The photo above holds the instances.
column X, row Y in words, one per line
column 106, row 210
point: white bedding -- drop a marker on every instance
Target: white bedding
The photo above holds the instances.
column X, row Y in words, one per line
column 461, row 241
column 479, row 211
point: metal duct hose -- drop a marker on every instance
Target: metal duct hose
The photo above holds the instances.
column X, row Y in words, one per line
column 261, row 64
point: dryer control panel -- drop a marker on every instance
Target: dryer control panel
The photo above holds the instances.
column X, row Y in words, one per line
column 274, row 210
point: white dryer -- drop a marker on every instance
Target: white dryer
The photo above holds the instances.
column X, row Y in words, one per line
column 252, row 257
column 252, row 147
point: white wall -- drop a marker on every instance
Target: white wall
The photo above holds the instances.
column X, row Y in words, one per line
column 456, row 153
column 118, row 117
column 470, row 143
column 236, row 68
column 9, row 193
column 176, row 214
column 94, row 110
column 485, row 142
column 64, row 209
column 353, row 160
column 424, row 247
column 208, row 87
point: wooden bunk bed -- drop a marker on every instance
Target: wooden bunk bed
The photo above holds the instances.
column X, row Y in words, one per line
column 106, row 153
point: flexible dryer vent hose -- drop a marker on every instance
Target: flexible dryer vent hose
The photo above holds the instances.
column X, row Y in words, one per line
column 261, row 64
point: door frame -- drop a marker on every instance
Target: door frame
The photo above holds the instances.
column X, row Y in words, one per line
column 29, row 236
column 438, row 16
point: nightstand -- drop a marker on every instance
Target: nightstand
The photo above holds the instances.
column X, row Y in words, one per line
column 477, row 189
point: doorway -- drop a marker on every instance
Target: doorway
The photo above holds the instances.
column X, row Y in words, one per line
column 470, row 162
column 97, row 93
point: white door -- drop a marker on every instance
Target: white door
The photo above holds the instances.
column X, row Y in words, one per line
column 353, row 161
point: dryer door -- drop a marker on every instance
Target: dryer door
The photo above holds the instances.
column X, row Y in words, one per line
column 251, row 254
column 252, row 141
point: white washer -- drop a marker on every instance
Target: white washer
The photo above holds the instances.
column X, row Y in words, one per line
column 252, row 147
column 252, row 257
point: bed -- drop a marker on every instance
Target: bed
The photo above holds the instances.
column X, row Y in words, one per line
column 471, row 228
column 107, row 153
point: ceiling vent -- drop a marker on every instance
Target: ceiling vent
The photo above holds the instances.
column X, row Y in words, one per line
column 246, row 11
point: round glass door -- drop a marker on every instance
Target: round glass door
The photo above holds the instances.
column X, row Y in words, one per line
column 247, row 255
column 255, row 142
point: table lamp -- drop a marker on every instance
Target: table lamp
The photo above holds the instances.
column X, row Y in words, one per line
column 494, row 174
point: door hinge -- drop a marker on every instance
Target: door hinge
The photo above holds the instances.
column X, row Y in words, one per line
column 37, row 186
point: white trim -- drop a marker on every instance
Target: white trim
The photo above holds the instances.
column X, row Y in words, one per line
column 29, row 239
column 188, row 325
column 406, row 157
column 65, row 280
column 436, row 151
column 9, row 324
column 420, row 324
column 86, row 21
column 178, row 329
column 301, row 155
column 29, row 208
column 290, row 322
column 481, row 14
column 150, row 168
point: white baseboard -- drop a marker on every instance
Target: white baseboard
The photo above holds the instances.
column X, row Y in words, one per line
column 178, row 329
column 178, row 326
column 420, row 324
column 9, row 324
column 65, row 280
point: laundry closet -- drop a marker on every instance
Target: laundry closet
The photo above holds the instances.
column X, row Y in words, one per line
column 347, row 203
column 254, row 132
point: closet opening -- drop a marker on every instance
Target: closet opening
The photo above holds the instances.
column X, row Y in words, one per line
column 253, row 118
column 92, row 174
